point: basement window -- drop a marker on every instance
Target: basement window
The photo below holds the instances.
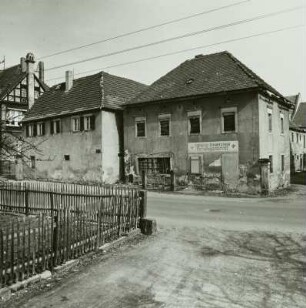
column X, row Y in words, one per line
column 152, row 165
column 67, row 157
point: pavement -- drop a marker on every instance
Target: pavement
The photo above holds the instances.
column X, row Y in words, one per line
column 209, row 252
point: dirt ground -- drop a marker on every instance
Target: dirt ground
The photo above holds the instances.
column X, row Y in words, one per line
column 208, row 252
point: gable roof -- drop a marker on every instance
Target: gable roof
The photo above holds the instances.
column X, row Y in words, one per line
column 101, row 90
column 300, row 116
column 9, row 78
column 202, row 75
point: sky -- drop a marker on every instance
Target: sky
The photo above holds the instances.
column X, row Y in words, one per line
column 45, row 27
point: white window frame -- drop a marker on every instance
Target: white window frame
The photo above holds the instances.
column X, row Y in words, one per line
column 15, row 115
column 55, row 132
column 73, row 126
column 141, row 120
column 87, row 117
column 164, row 117
column 229, row 110
column 39, row 129
column 194, row 114
column 31, row 130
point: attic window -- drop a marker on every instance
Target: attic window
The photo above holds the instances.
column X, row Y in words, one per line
column 189, row 81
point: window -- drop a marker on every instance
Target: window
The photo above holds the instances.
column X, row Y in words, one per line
column 283, row 162
column 194, row 122
column 14, row 117
column 270, row 119
column 297, row 137
column 271, row 163
column 292, row 137
column 66, row 157
column 282, row 122
column 89, row 122
column 164, row 124
column 76, row 124
column 55, row 127
column 32, row 162
column 195, row 165
column 229, row 119
column 40, row 129
column 140, row 123
column 153, row 165
column 31, row 130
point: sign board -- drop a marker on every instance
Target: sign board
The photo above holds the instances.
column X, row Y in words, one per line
column 209, row 147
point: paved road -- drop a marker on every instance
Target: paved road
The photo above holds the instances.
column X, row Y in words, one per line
column 209, row 252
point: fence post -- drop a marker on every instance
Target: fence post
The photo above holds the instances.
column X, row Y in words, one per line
column 26, row 200
column 144, row 179
column 172, row 180
column 143, row 204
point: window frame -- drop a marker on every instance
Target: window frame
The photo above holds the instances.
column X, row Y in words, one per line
column 161, row 118
column 192, row 115
column 271, row 164
column 140, row 120
column 225, row 110
column 73, row 124
column 270, row 119
column 53, row 130
column 40, row 129
column 199, row 159
column 282, row 123
column 282, row 162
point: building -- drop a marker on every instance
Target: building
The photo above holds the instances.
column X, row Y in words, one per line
column 76, row 127
column 298, row 134
column 19, row 88
column 211, row 119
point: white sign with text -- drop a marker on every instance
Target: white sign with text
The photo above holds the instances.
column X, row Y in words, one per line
column 216, row 146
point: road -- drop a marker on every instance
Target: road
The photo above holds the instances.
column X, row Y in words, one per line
column 209, row 252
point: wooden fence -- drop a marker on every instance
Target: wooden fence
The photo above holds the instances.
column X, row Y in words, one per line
column 62, row 222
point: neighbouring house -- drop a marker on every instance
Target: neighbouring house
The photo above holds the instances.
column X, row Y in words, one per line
column 19, row 88
column 297, row 134
column 76, row 127
column 211, row 120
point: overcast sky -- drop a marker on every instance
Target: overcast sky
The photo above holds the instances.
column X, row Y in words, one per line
column 45, row 27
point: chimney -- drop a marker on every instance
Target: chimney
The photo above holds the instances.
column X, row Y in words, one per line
column 30, row 80
column 69, row 80
column 41, row 71
column 23, row 65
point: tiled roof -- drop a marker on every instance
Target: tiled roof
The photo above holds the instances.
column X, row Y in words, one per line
column 300, row 115
column 90, row 92
column 9, row 78
column 204, row 74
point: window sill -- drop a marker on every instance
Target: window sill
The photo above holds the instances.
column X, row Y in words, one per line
column 231, row 132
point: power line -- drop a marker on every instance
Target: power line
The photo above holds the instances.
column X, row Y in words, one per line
column 144, row 29
column 186, row 50
column 179, row 37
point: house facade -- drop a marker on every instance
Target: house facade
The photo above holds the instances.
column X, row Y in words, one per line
column 298, row 134
column 76, row 128
column 20, row 86
column 210, row 118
